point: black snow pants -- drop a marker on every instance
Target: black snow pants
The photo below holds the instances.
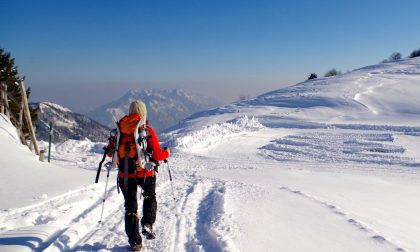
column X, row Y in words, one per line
column 131, row 206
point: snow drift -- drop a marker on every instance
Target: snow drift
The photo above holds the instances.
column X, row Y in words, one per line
column 26, row 180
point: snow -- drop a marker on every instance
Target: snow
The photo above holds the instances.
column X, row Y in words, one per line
column 216, row 133
column 326, row 165
column 55, row 106
column 25, row 180
column 59, row 119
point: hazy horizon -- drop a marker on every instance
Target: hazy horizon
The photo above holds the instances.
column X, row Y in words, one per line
column 82, row 54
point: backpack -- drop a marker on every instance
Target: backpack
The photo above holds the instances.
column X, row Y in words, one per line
column 132, row 153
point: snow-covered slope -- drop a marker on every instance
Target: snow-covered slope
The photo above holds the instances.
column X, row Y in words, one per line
column 165, row 107
column 66, row 124
column 326, row 165
column 26, row 180
column 350, row 144
column 385, row 93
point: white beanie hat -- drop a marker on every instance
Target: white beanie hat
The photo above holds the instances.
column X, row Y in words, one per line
column 138, row 107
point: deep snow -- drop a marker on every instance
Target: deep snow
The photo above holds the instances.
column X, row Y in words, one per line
column 326, row 165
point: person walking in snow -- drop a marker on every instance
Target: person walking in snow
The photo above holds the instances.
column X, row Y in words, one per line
column 128, row 160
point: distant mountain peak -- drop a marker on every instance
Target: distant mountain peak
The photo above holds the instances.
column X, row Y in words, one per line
column 44, row 105
column 66, row 124
column 165, row 107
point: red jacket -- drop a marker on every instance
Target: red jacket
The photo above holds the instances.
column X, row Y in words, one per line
column 153, row 142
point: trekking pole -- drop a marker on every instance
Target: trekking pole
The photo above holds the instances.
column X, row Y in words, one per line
column 108, row 168
column 100, row 164
column 107, row 149
column 172, row 186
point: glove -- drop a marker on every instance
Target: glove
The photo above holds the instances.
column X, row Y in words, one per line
column 107, row 149
column 168, row 150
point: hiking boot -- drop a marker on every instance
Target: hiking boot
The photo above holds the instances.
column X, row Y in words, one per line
column 147, row 231
column 136, row 247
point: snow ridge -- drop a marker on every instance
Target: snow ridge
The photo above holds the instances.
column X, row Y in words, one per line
column 217, row 133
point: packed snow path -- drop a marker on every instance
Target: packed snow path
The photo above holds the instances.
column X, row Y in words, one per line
column 237, row 196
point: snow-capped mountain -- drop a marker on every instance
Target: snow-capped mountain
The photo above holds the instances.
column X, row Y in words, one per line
column 66, row 124
column 165, row 108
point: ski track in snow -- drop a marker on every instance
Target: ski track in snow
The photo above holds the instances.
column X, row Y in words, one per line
column 338, row 146
column 83, row 233
column 352, row 221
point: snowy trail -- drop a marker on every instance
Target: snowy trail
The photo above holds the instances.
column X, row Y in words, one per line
column 306, row 177
column 229, row 190
column 226, row 192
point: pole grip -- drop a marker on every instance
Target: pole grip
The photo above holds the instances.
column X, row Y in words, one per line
column 100, row 165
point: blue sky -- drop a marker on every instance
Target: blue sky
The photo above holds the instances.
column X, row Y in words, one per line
column 83, row 53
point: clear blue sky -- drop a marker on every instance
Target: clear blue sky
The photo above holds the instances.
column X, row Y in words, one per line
column 81, row 53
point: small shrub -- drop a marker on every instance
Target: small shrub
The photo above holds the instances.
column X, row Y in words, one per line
column 243, row 97
column 312, row 76
column 415, row 53
column 332, row 72
column 393, row 57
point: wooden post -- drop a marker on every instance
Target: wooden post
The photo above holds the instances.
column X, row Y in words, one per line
column 28, row 116
column 6, row 101
column 1, row 98
column 42, row 155
column 21, row 116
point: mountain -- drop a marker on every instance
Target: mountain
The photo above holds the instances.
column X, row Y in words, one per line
column 66, row 124
column 165, row 108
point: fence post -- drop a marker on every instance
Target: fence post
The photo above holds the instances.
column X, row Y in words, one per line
column 42, row 155
column 6, row 101
column 28, row 116
column 1, row 98
column 21, row 116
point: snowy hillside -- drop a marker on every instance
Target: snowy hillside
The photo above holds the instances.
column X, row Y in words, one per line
column 331, row 164
column 165, row 107
column 66, row 124
column 25, row 180
column 383, row 93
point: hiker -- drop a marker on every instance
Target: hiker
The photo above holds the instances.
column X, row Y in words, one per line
column 138, row 176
